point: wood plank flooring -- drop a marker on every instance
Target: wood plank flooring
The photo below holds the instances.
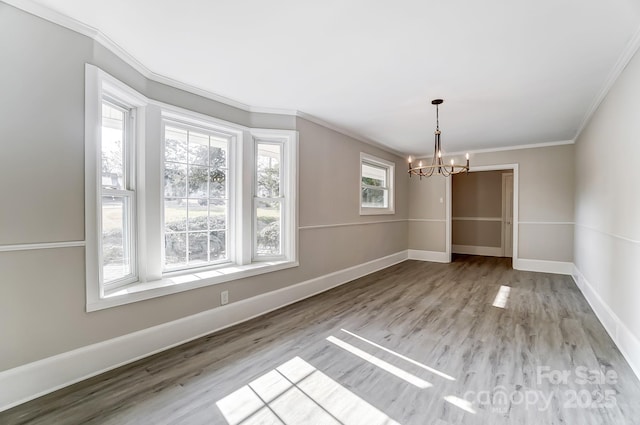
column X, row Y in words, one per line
column 417, row 343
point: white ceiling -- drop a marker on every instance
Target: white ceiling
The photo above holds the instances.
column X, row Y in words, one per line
column 511, row 72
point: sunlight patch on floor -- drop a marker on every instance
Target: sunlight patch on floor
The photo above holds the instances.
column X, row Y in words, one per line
column 402, row 374
column 423, row 366
column 297, row 393
column 461, row 403
column 502, row 297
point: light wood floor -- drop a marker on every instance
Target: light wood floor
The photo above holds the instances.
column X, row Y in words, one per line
column 417, row 343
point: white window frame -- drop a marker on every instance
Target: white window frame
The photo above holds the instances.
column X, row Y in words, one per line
column 235, row 136
column 288, row 140
column 389, row 167
column 148, row 153
column 128, row 191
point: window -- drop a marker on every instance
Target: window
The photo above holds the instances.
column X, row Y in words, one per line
column 117, row 195
column 376, row 185
column 196, row 214
column 177, row 200
column 268, row 200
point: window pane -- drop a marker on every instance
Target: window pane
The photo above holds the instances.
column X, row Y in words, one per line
column 113, row 149
column 175, row 215
column 374, row 176
column 218, row 245
column 217, row 183
column 175, row 249
column 198, row 249
column 268, row 170
column 198, row 214
column 198, row 179
column 268, row 227
column 198, row 148
column 175, row 180
column 195, row 196
column 175, row 144
column 375, row 198
column 218, row 152
column 217, row 214
column 116, row 251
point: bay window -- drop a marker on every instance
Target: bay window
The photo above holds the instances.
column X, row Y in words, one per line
column 177, row 200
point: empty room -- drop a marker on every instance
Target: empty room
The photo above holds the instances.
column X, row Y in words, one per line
column 340, row 212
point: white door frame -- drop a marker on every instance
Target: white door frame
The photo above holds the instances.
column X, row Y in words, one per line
column 516, row 189
column 505, row 188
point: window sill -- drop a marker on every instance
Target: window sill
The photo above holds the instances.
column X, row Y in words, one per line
column 376, row 211
column 184, row 282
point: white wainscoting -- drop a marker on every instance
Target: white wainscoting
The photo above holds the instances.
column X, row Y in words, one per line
column 489, row 251
column 33, row 380
column 434, row 256
column 624, row 339
column 543, row 266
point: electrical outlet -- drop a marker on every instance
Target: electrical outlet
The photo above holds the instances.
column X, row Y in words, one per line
column 224, row 297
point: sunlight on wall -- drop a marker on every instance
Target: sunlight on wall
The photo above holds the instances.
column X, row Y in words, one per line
column 502, row 297
column 294, row 393
column 425, row 367
column 406, row 376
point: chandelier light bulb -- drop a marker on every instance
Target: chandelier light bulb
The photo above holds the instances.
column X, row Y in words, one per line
column 410, row 158
column 467, row 156
column 420, row 164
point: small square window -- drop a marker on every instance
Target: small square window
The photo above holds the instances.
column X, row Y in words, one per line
column 376, row 185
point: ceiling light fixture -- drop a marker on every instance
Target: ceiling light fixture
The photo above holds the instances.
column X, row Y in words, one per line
column 438, row 165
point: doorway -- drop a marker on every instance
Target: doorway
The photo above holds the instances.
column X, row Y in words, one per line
column 482, row 214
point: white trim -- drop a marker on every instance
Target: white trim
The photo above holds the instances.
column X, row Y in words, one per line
column 433, row 256
column 185, row 280
column 476, row 218
column 624, row 339
column 623, row 60
column 566, row 223
column 613, row 235
column 489, row 251
column 448, row 232
column 543, row 266
column 26, row 382
column 43, row 245
column 327, row 226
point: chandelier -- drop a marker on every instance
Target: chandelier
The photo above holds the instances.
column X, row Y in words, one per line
column 438, row 166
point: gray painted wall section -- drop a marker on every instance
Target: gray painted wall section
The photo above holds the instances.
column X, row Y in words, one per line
column 546, row 199
column 607, row 234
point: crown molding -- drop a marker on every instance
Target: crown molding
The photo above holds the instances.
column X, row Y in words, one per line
column 348, row 133
column 625, row 57
column 503, row 148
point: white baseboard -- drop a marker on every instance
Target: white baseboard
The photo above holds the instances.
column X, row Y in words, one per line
column 626, row 341
column 26, row 382
column 543, row 266
column 489, row 251
column 434, row 256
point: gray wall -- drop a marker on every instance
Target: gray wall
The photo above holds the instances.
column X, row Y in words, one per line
column 476, row 195
column 42, row 307
column 607, row 203
column 546, row 203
